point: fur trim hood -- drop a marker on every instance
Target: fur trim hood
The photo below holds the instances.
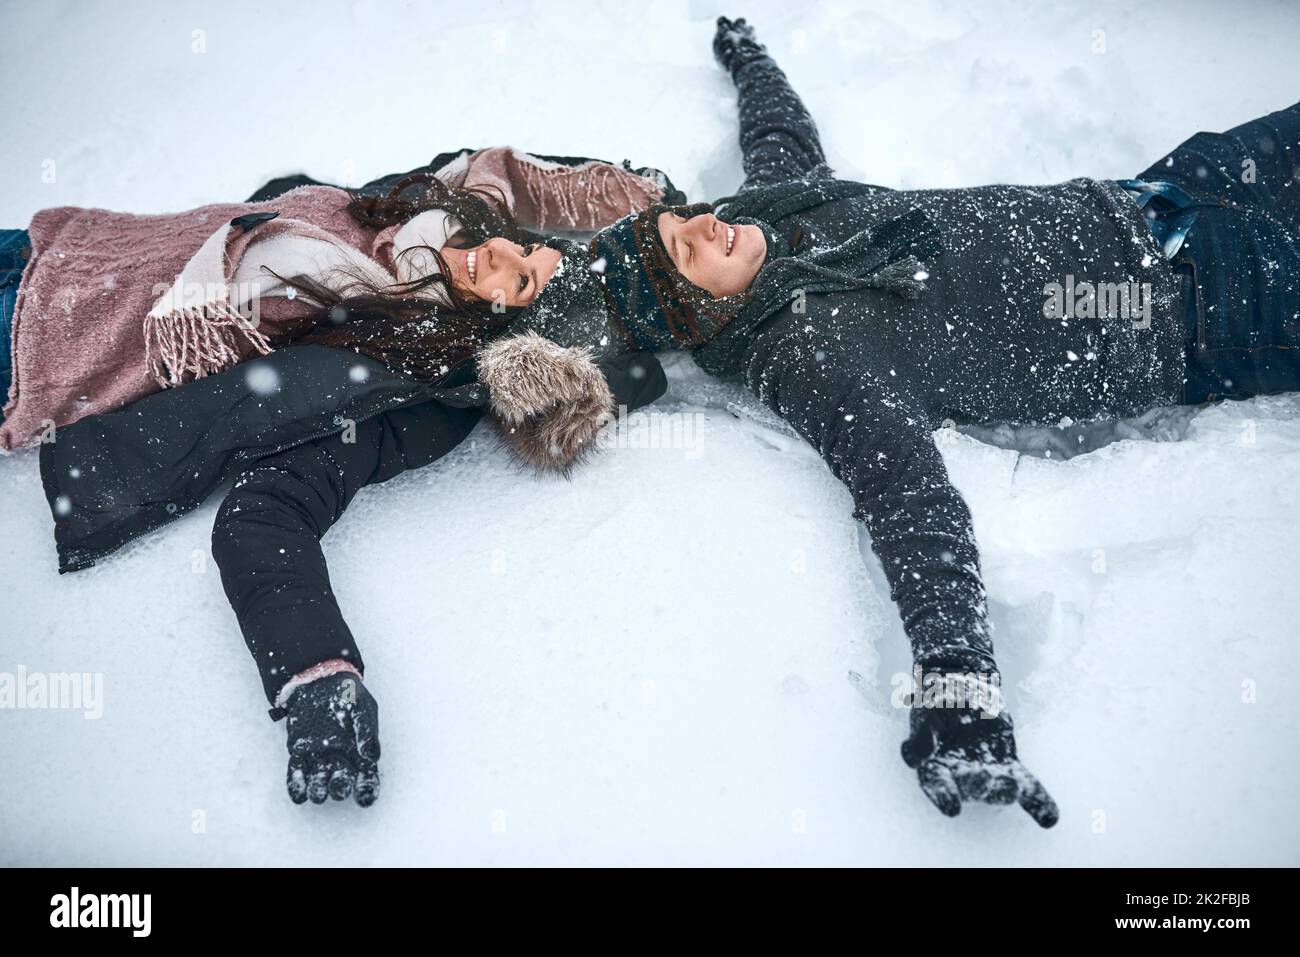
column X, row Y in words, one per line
column 549, row 402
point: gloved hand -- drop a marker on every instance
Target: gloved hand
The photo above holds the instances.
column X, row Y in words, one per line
column 333, row 741
column 635, row 378
column 734, row 44
column 968, row 753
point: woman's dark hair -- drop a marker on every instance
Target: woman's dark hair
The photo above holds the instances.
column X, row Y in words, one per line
column 394, row 324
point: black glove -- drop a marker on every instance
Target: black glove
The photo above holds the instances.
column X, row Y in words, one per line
column 734, row 44
column 968, row 753
column 635, row 378
column 333, row 741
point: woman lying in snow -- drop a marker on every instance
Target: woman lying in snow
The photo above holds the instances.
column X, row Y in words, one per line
column 379, row 311
column 867, row 317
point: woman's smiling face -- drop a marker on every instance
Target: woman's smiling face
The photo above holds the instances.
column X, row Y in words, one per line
column 501, row 271
column 721, row 259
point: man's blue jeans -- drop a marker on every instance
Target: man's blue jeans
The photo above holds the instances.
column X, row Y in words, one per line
column 1240, row 262
column 14, row 247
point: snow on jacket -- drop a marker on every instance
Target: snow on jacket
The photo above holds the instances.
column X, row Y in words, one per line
column 866, row 376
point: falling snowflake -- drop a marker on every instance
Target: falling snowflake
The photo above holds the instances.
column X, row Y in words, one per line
column 262, row 378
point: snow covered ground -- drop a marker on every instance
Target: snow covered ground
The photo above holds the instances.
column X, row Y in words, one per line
column 683, row 655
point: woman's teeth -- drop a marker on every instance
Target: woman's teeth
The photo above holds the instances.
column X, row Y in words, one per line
column 471, row 265
column 731, row 238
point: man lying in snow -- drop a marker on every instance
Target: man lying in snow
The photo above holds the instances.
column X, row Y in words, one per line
column 868, row 316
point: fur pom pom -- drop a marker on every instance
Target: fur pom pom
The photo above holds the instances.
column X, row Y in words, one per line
column 549, row 401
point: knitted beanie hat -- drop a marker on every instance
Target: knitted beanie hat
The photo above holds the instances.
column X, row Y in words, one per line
column 570, row 309
column 651, row 303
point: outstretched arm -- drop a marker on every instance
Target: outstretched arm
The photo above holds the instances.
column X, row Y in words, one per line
column 961, row 742
column 266, row 537
column 266, row 541
column 778, row 137
column 872, row 440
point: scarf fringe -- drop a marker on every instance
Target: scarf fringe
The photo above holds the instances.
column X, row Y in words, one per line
column 196, row 341
column 595, row 189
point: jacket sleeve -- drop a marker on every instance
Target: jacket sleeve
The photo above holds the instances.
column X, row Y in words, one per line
column 635, row 378
column 876, row 445
column 281, row 185
column 266, row 537
column 778, row 138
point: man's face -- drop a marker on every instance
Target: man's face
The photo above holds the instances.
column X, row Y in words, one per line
column 723, row 260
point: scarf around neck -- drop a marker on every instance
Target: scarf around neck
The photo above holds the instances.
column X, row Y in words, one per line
column 892, row 255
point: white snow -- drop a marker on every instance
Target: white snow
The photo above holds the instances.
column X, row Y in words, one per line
column 683, row 655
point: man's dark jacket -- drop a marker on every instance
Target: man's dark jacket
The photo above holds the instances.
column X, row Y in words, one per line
column 866, row 375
